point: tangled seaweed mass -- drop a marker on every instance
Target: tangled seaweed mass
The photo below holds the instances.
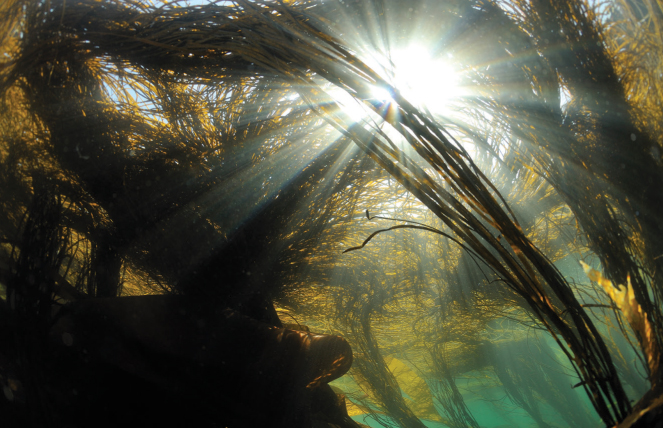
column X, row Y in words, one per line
column 331, row 213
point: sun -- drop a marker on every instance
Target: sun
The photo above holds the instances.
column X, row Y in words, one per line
column 422, row 79
column 425, row 81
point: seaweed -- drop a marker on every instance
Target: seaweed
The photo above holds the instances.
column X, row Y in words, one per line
column 201, row 151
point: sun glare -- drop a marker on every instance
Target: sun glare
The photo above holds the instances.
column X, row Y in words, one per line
column 424, row 80
column 430, row 83
column 354, row 108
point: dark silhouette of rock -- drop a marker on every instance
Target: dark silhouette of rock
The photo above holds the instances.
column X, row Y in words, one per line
column 176, row 361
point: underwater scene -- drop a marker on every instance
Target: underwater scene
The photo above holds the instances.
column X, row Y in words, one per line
column 331, row 213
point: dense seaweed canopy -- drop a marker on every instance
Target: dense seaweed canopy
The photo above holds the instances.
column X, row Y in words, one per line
column 420, row 177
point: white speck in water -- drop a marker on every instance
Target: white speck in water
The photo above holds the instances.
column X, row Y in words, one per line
column 633, row 137
column 9, row 394
column 78, row 150
column 67, row 339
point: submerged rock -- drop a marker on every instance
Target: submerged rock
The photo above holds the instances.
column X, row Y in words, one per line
column 174, row 360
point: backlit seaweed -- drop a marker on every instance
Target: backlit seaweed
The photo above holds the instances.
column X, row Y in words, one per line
column 228, row 157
